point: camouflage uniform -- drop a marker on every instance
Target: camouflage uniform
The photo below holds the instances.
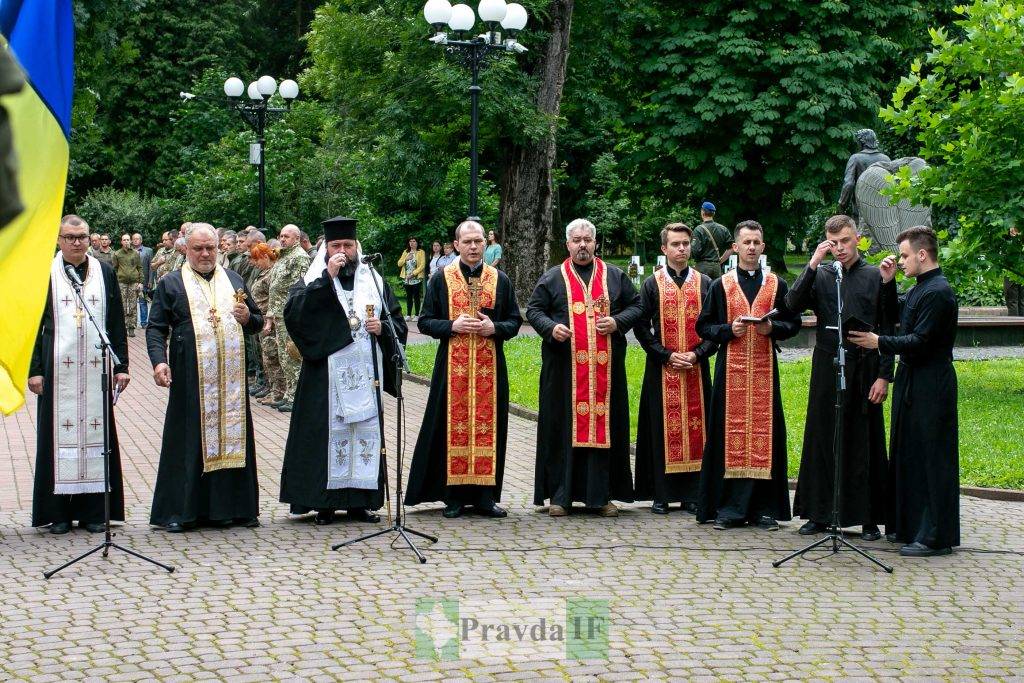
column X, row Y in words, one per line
column 271, row 363
column 165, row 265
column 128, row 265
column 291, row 266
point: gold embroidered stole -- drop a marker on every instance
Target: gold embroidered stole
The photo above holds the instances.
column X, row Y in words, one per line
column 682, row 393
column 749, row 385
column 77, row 381
column 472, row 383
column 591, row 356
column 220, row 354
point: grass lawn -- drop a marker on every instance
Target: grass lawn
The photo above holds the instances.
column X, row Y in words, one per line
column 991, row 406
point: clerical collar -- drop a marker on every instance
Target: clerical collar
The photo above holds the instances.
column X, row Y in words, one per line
column 681, row 274
column 471, row 271
column 82, row 268
column 748, row 274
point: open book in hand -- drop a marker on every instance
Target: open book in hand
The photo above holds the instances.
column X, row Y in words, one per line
column 855, row 324
column 755, row 320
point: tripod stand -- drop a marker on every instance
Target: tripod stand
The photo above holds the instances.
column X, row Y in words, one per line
column 399, row 362
column 109, row 359
column 835, row 531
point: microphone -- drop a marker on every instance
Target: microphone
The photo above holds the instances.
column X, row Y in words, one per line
column 839, row 270
column 73, row 276
column 371, row 258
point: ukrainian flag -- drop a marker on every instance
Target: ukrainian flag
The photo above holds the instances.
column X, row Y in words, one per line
column 40, row 34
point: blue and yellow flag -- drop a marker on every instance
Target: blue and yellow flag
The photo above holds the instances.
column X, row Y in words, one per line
column 41, row 35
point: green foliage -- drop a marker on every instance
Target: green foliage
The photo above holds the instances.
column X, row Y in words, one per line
column 117, row 212
column 963, row 103
column 990, row 435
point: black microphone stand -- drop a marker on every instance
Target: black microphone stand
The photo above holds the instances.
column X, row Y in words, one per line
column 400, row 364
column 835, row 531
column 109, row 359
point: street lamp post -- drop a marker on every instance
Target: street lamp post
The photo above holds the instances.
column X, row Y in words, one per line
column 474, row 52
column 255, row 112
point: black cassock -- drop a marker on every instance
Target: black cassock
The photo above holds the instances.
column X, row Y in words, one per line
column 318, row 324
column 863, row 481
column 428, row 473
column 183, row 493
column 48, row 507
column 593, row 476
column 743, row 499
column 924, row 467
column 652, row 483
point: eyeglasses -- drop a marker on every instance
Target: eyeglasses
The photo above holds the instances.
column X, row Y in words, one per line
column 75, row 239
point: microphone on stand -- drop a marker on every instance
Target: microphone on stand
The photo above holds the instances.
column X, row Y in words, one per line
column 73, row 275
column 839, row 269
column 371, row 258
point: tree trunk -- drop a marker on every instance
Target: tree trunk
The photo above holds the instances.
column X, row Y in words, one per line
column 526, row 222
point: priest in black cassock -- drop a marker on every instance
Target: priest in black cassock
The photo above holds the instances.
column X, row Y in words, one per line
column 677, row 379
column 863, row 478
column 743, row 473
column 332, row 460
column 582, row 310
column 207, row 471
column 66, row 373
column 924, row 471
column 460, row 452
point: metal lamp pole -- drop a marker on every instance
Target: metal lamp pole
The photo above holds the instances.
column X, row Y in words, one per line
column 474, row 53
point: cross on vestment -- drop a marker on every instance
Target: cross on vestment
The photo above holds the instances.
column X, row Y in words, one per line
column 93, row 300
column 95, row 423
column 67, row 362
column 66, row 300
column 474, row 296
column 67, row 425
column 95, row 362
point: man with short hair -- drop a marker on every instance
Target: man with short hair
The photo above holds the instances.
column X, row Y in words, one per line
column 128, row 265
column 207, row 470
column 164, row 256
column 492, row 255
column 66, row 373
column 146, row 256
column 743, row 471
column 104, row 253
column 94, row 243
column 307, row 246
column 179, row 258
column 290, row 268
column 676, row 392
column 470, row 307
column 868, row 374
column 582, row 310
column 228, row 245
column 712, row 243
column 924, row 472
column 332, row 460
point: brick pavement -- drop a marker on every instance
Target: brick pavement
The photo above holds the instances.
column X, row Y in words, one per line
column 277, row 603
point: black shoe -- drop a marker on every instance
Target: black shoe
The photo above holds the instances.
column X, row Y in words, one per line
column 921, row 550
column 248, row 522
column 278, row 403
column 362, row 515
column 221, row 523
column 766, row 523
column 93, row 527
column 722, row 524
column 261, row 392
column 659, row 508
column 175, row 528
column 324, row 517
column 870, row 532
column 60, row 527
column 689, row 508
column 812, row 528
column 284, row 408
column 454, row 510
column 492, row 511
column 892, row 538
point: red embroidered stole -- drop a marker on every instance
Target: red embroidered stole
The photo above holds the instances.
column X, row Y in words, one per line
column 682, row 396
column 591, row 357
column 749, row 385
column 472, row 385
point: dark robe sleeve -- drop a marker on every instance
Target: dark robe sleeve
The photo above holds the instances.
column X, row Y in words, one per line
column 629, row 301
column 512, row 320
column 786, row 322
column 432, row 321
column 650, row 302
column 803, row 294
column 537, row 309
column 713, row 323
column 255, row 322
column 707, row 347
column 38, row 366
column 315, row 320
column 886, row 326
column 933, row 312
column 159, row 324
column 114, row 322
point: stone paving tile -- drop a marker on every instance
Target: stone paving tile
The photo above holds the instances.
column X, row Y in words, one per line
column 685, row 602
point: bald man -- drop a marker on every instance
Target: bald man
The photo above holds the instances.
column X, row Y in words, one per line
column 207, row 472
column 291, row 266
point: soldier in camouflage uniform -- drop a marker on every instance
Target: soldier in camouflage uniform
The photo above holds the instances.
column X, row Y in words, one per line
column 264, row 259
column 291, row 266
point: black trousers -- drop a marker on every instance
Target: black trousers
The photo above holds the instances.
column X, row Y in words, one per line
column 413, row 298
column 1014, row 295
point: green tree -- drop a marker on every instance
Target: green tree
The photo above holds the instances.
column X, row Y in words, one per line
column 963, row 103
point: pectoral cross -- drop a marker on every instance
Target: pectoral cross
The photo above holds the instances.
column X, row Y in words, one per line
column 214, row 318
column 240, row 296
column 79, row 315
column 602, row 306
column 474, row 296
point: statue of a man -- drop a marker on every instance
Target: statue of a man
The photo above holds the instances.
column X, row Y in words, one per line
column 868, row 154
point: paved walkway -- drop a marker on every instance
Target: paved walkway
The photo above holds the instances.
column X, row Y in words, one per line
column 683, row 602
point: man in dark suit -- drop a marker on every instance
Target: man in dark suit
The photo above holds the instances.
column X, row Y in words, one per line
column 146, row 254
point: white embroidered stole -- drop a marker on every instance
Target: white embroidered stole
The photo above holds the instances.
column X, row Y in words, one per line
column 220, row 352
column 77, row 381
